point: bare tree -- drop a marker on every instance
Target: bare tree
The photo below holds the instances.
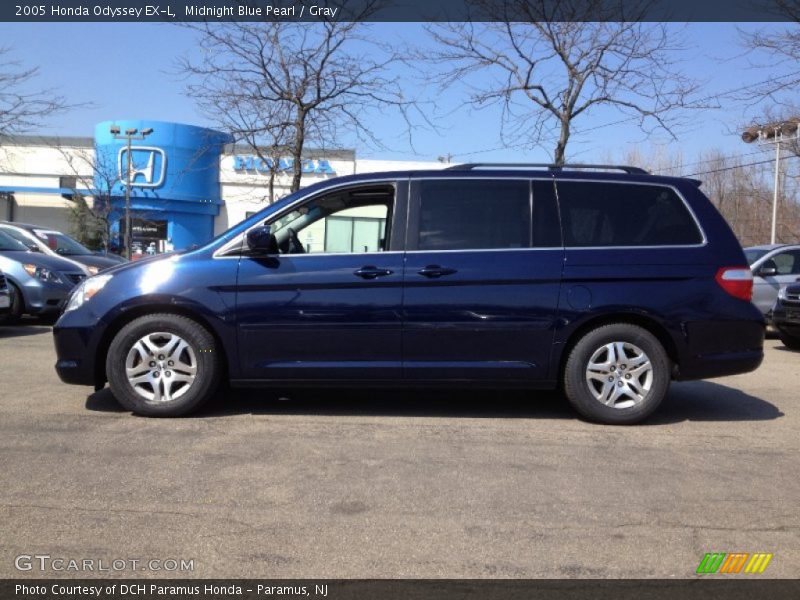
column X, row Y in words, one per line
column 91, row 221
column 547, row 64
column 279, row 86
column 776, row 48
column 22, row 109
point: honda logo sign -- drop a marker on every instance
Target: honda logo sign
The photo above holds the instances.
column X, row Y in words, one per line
column 148, row 166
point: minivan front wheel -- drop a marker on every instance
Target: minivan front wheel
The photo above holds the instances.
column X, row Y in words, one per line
column 162, row 365
column 617, row 374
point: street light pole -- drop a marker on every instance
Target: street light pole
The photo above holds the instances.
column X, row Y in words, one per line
column 129, row 136
column 775, row 191
column 128, row 202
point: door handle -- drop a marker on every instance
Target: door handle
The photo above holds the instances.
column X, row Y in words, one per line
column 434, row 271
column 370, row 272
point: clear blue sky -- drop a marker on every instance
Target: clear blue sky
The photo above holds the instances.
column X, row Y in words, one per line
column 128, row 71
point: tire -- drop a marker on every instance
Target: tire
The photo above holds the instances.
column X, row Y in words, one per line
column 17, row 306
column 630, row 396
column 186, row 374
column 790, row 341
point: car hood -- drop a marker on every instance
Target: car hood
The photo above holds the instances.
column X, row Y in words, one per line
column 94, row 260
column 134, row 264
column 54, row 263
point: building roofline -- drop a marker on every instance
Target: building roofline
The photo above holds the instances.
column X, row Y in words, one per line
column 88, row 142
column 47, row 140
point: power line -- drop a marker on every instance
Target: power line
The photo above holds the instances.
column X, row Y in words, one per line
column 721, row 157
column 720, row 170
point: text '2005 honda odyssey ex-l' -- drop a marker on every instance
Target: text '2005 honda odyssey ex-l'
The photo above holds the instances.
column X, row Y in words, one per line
column 609, row 284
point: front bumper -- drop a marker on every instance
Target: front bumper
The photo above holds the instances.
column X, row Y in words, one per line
column 44, row 298
column 786, row 317
column 77, row 336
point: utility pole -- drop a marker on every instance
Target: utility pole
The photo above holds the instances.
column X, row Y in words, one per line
column 129, row 136
column 774, row 133
column 775, row 189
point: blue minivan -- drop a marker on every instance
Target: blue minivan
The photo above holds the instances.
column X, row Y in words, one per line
column 607, row 284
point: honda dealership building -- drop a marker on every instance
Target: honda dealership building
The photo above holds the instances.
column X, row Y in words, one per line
column 188, row 183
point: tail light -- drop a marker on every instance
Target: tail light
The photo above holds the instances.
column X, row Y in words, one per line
column 737, row 281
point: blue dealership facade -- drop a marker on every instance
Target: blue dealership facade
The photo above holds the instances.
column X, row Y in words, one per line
column 175, row 179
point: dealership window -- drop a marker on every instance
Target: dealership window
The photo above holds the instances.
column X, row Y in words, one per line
column 619, row 214
column 474, row 214
column 349, row 221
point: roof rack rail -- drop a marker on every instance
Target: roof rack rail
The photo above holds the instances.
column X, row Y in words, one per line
column 550, row 167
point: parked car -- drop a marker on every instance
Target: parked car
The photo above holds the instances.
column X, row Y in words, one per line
column 610, row 284
column 39, row 284
column 774, row 267
column 786, row 316
column 60, row 244
column 5, row 297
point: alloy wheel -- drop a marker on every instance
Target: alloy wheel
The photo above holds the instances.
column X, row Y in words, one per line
column 161, row 367
column 619, row 374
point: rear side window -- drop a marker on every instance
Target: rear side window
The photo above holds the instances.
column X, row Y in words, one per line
column 474, row 214
column 619, row 214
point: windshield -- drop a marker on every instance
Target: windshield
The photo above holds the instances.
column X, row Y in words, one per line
column 9, row 243
column 753, row 254
column 62, row 243
column 23, row 237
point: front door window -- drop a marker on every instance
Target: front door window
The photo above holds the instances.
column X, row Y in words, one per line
column 346, row 222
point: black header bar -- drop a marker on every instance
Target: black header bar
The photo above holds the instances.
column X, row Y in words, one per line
column 398, row 10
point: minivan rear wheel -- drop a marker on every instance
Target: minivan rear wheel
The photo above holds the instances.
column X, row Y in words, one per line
column 163, row 365
column 617, row 374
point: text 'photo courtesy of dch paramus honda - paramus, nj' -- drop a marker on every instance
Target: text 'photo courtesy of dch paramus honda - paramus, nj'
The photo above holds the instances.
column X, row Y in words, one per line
column 608, row 283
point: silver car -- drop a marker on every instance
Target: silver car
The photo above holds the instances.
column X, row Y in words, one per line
column 774, row 267
column 38, row 284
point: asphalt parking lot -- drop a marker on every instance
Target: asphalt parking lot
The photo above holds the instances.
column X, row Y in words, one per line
column 397, row 483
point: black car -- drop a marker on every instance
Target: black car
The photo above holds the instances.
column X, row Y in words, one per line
column 5, row 296
column 609, row 285
column 56, row 243
column 786, row 316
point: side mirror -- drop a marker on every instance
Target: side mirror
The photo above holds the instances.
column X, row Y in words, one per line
column 767, row 271
column 34, row 248
column 261, row 240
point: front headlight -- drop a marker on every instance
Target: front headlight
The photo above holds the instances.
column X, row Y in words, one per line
column 782, row 293
column 41, row 273
column 86, row 290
